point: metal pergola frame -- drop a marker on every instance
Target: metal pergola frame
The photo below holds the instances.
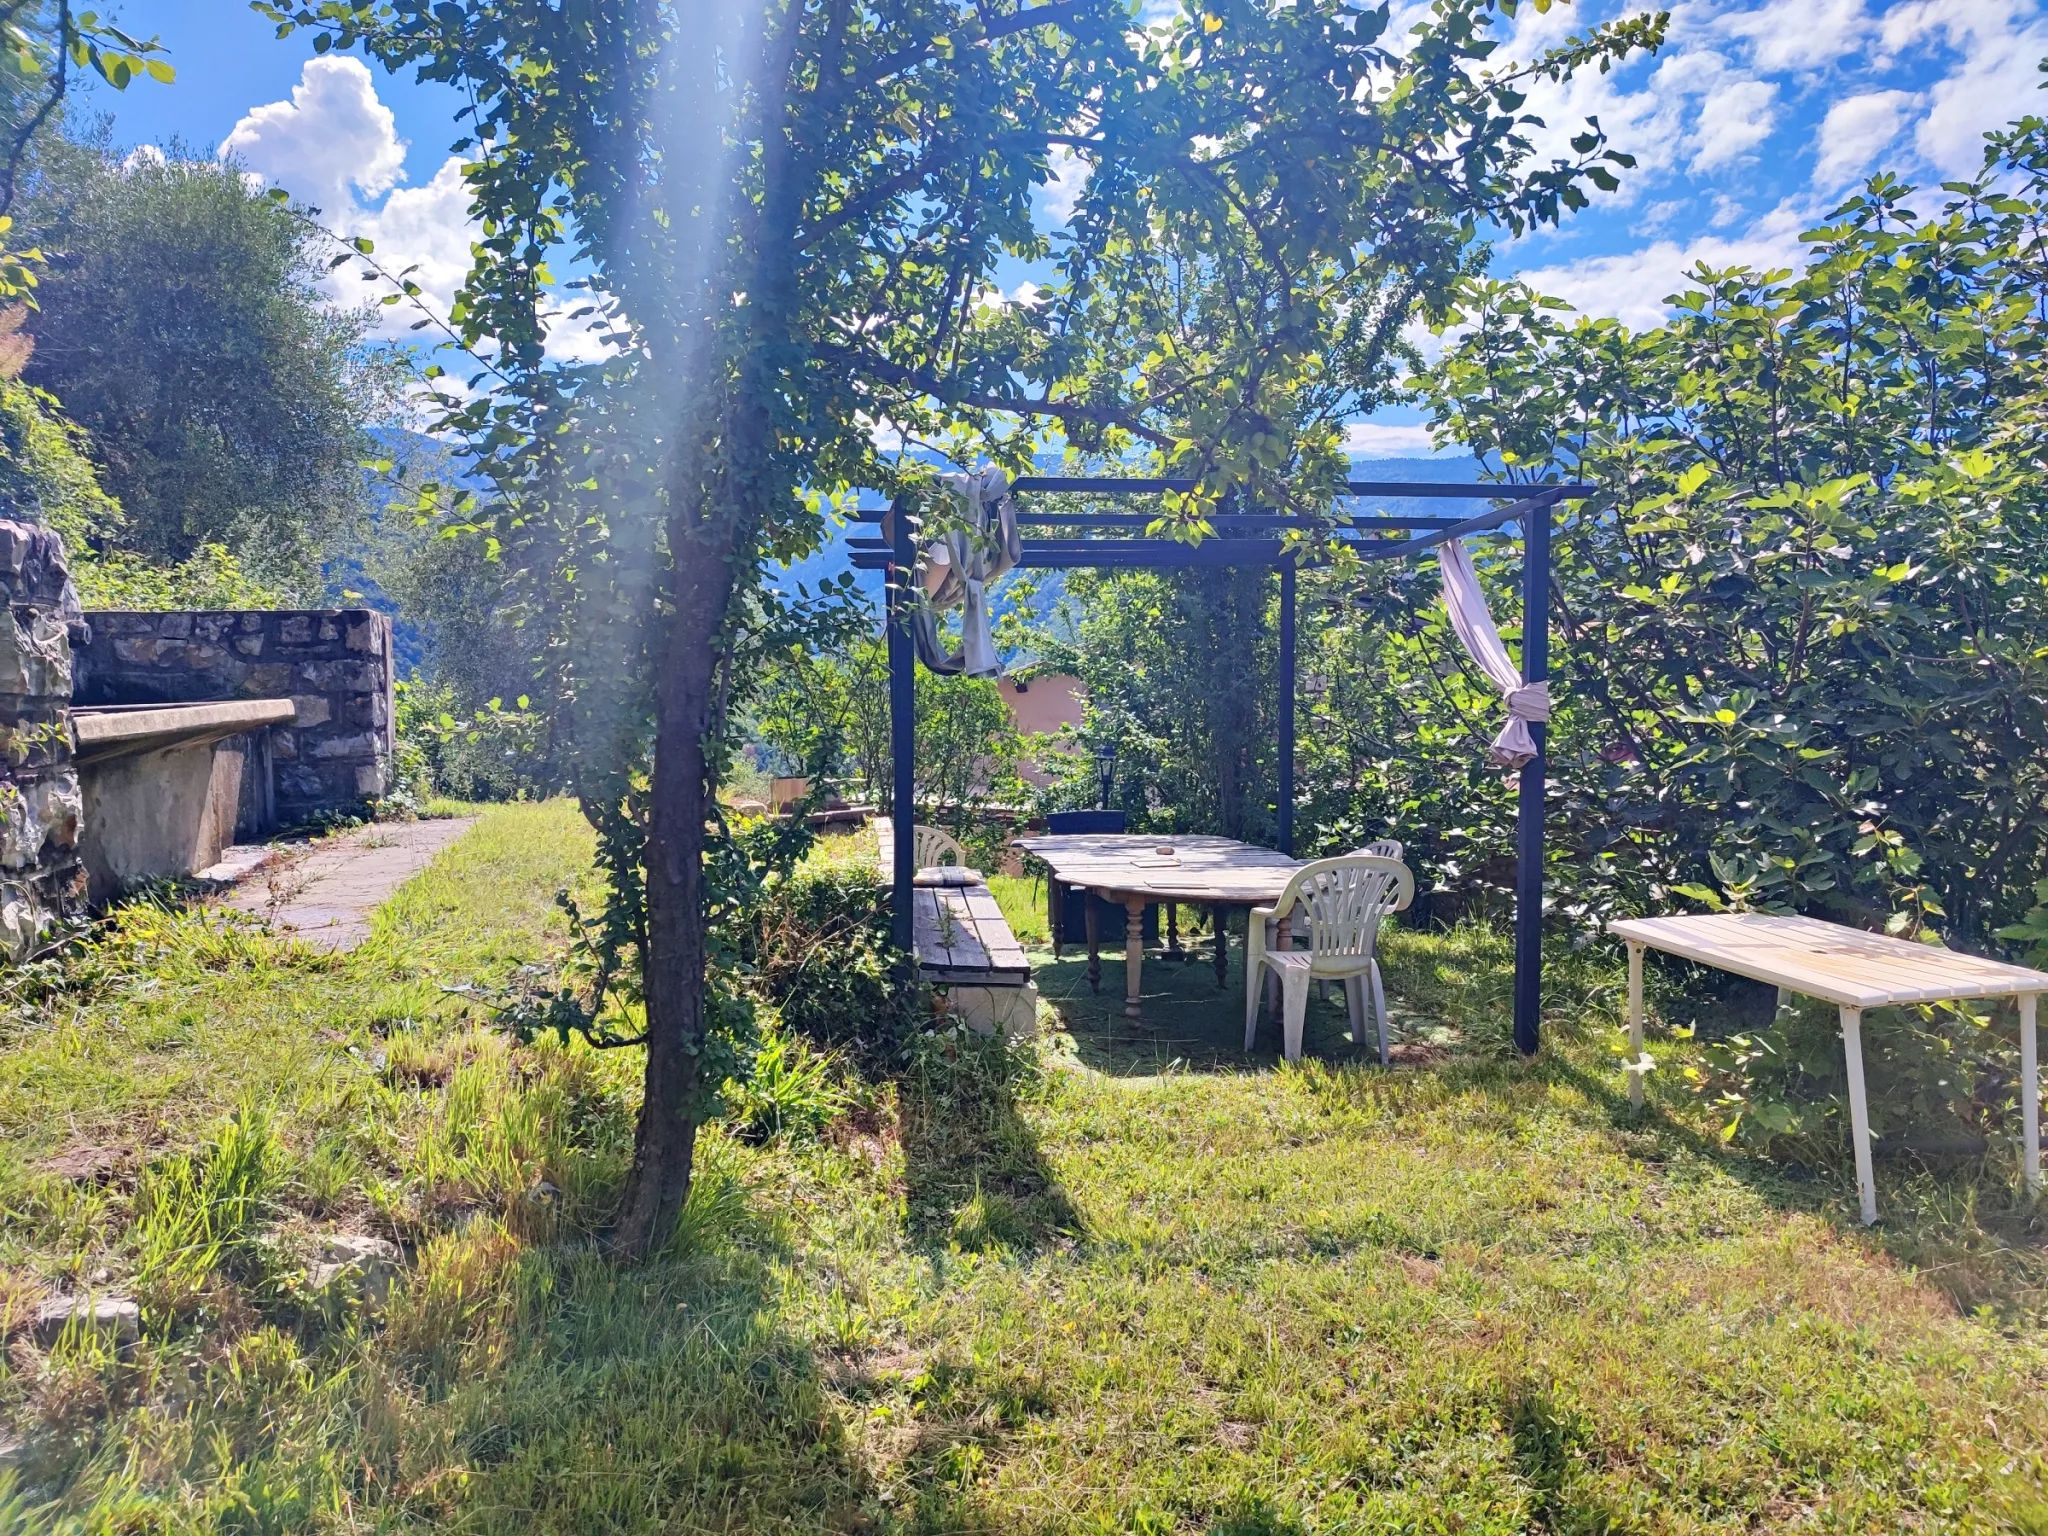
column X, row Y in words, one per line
column 1531, row 508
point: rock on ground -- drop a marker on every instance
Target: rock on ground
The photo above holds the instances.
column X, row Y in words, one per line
column 112, row 1315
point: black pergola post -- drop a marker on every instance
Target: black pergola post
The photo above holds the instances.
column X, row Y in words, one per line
column 1285, row 810
column 1529, row 807
column 902, row 572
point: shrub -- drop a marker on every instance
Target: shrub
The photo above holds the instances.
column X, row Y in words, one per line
column 826, row 963
column 491, row 753
column 1938, row 1078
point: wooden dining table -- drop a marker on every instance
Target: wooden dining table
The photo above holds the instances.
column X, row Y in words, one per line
column 1135, row 871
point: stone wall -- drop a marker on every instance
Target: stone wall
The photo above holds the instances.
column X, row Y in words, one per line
column 40, row 871
column 334, row 664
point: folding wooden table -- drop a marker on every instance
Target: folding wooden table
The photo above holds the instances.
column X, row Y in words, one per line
column 1853, row 970
column 1132, row 870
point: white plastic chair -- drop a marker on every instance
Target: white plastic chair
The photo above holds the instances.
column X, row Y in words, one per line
column 1342, row 901
column 933, row 847
column 1385, row 848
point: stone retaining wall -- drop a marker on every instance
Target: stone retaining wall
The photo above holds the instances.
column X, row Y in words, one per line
column 40, row 871
column 336, row 665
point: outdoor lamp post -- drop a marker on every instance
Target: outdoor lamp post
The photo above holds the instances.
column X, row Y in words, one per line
column 1105, row 773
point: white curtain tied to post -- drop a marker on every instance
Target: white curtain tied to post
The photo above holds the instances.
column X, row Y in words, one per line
column 1527, row 702
column 958, row 569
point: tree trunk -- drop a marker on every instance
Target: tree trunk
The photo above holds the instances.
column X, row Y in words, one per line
column 665, row 1142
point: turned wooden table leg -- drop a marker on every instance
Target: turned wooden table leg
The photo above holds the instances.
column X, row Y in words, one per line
column 1055, row 913
column 1173, row 949
column 1093, row 923
column 1222, row 946
column 1134, row 954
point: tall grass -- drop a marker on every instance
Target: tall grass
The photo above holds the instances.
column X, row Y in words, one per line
column 198, row 1213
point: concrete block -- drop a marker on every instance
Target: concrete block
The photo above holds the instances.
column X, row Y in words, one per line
column 370, row 780
column 1008, row 1011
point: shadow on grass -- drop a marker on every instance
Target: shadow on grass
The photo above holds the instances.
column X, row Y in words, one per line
column 975, row 1175
column 1186, row 1021
column 1959, row 1221
column 669, row 1396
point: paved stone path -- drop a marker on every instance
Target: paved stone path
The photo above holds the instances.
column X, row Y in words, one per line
column 326, row 893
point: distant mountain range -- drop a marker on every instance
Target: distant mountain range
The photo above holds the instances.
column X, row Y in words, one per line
column 351, row 573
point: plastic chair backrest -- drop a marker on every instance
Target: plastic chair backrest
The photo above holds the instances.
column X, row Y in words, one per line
column 1063, row 823
column 933, row 847
column 1344, row 899
column 1385, row 848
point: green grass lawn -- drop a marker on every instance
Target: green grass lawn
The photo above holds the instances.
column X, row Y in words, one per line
column 1131, row 1280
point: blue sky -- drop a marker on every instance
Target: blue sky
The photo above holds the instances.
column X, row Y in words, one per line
column 1754, row 119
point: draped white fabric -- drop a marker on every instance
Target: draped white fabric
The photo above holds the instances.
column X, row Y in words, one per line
column 959, row 566
column 1527, row 702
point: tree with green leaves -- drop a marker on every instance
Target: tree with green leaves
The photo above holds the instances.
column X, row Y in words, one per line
column 41, row 43
column 791, row 215
column 1802, row 628
column 182, row 323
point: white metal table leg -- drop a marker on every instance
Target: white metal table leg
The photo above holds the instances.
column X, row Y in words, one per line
column 2030, row 1091
column 1859, row 1111
column 1635, row 1023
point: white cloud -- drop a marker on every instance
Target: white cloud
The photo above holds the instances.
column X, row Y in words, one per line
column 1734, row 118
column 1632, row 285
column 1791, row 34
column 1386, row 440
column 142, row 154
column 426, row 228
column 1062, row 194
column 334, row 135
column 1994, row 80
column 336, row 146
column 1855, row 131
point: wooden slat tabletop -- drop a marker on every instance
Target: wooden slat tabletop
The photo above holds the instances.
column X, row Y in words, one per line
column 1844, row 966
column 1190, row 869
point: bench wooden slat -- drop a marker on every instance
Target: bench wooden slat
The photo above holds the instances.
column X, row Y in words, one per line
column 973, row 944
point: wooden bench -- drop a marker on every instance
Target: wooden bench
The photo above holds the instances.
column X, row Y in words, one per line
column 964, row 946
column 1853, row 970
